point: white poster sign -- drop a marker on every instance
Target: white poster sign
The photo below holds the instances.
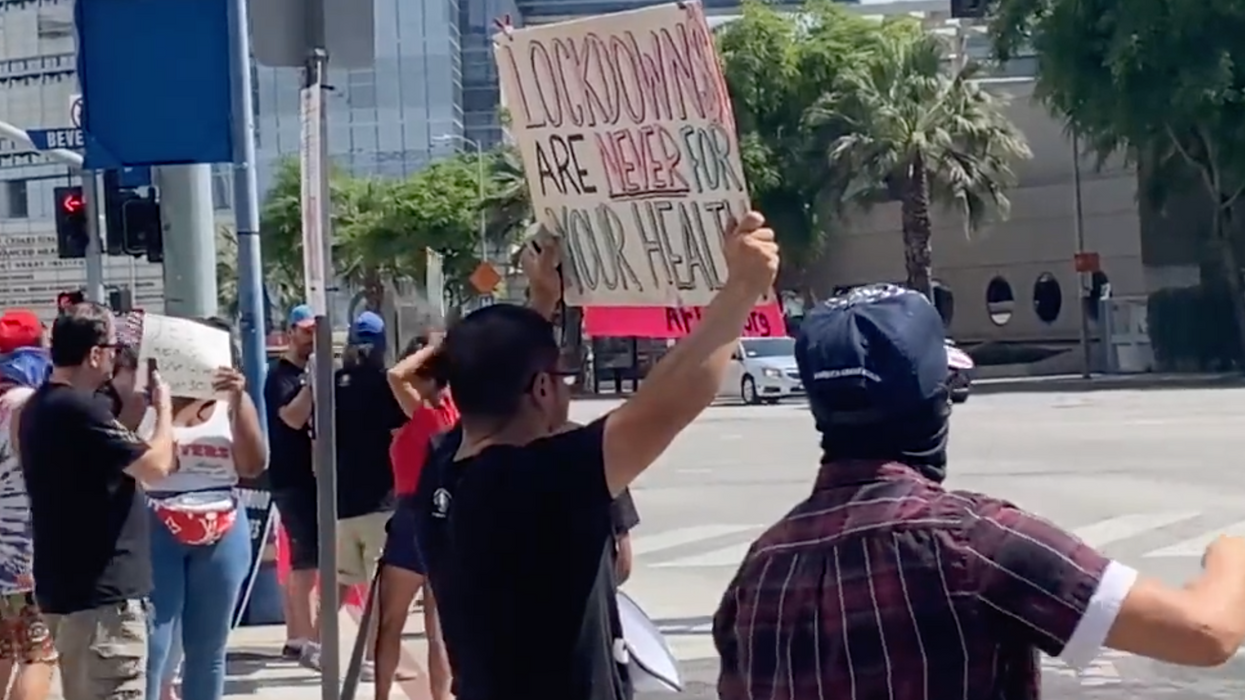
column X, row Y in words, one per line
column 186, row 352
column 629, row 148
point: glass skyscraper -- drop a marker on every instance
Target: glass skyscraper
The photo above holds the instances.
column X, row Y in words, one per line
column 388, row 120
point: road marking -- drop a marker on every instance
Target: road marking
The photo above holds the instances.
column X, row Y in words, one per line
column 1196, row 546
column 725, row 556
column 647, row 544
column 1105, row 532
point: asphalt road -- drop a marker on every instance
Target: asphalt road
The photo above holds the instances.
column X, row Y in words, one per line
column 1149, row 477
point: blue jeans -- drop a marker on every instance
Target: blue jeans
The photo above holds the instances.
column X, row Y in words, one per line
column 198, row 586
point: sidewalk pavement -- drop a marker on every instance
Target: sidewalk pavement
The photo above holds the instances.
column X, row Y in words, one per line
column 256, row 671
column 1108, row 382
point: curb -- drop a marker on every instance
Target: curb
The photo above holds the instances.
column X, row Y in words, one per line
column 1138, row 382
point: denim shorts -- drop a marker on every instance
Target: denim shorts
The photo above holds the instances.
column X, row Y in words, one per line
column 401, row 547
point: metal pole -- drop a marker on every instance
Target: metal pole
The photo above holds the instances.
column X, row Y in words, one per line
column 325, row 443
column 246, row 212
column 189, row 240
column 96, row 230
column 1086, row 355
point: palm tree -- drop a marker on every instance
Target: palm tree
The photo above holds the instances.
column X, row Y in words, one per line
column 900, row 125
column 509, row 204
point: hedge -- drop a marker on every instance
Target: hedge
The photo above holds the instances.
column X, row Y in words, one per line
column 1193, row 329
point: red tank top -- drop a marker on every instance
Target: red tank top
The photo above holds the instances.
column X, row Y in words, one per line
column 410, row 444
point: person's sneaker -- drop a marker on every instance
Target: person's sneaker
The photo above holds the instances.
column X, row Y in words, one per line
column 310, row 656
column 367, row 672
column 293, row 649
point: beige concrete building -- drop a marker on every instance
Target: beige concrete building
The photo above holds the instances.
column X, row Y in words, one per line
column 1014, row 280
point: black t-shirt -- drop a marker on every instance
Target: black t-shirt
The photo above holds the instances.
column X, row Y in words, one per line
column 519, row 539
column 289, row 465
column 90, row 517
column 367, row 414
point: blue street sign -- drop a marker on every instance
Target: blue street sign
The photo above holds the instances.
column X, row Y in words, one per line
column 155, row 79
column 68, row 138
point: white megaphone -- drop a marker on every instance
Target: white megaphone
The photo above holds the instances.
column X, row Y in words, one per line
column 649, row 660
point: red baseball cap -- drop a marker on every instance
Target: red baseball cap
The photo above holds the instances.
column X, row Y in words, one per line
column 20, row 328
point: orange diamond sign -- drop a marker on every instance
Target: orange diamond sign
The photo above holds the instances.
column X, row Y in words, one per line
column 485, row 279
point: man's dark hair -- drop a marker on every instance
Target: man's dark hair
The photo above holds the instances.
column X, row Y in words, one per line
column 490, row 358
column 364, row 355
column 77, row 330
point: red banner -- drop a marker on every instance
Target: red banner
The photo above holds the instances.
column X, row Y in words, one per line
column 670, row 322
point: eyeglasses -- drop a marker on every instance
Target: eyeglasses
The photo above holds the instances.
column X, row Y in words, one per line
column 568, row 376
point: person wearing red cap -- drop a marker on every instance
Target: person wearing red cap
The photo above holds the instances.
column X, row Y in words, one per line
column 25, row 639
column 20, row 328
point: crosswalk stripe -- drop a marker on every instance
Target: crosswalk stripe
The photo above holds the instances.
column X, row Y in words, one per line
column 724, row 556
column 1196, row 546
column 1105, row 532
column 647, row 544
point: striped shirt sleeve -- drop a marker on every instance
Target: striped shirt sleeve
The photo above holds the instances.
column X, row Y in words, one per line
column 1034, row 579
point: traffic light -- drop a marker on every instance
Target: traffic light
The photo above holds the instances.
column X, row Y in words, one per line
column 71, row 230
column 133, row 220
column 140, row 224
column 120, row 299
column 64, row 300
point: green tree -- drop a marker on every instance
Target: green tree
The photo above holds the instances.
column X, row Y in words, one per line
column 1161, row 81
column 777, row 66
column 381, row 228
column 900, row 124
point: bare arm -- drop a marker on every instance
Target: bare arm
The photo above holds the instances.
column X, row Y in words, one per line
column 622, row 564
column 686, row 380
column 1201, row 624
column 160, row 458
column 250, row 450
column 297, row 412
column 1043, row 585
column 402, row 379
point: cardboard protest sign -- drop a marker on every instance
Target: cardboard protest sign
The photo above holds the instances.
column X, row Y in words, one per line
column 629, row 148
column 186, row 352
column 764, row 321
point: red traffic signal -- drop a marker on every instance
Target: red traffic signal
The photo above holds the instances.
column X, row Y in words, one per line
column 72, row 203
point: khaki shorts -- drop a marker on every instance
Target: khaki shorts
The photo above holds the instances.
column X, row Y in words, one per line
column 103, row 651
column 360, row 542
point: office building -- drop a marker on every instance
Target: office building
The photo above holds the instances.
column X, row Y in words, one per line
column 388, row 120
column 37, row 80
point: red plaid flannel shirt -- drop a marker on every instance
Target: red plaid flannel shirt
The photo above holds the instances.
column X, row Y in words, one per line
column 883, row 585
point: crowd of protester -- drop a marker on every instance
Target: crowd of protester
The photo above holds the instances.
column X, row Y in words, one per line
column 123, row 548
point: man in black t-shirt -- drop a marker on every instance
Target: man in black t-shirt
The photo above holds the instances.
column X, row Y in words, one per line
column 518, row 496
column 366, row 414
column 288, row 396
column 93, row 551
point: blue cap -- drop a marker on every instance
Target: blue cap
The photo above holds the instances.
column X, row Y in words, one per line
column 29, row 367
column 301, row 316
column 367, row 328
column 876, row 353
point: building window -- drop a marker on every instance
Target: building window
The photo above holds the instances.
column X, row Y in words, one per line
column 1047, row 297
column 14, row 203
column 999, row 301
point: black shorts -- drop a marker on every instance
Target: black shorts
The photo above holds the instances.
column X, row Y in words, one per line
column 297, row 508
column 401, row 547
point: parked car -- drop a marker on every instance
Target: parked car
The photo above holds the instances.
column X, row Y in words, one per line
column 763, row 370
column 961, row 366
